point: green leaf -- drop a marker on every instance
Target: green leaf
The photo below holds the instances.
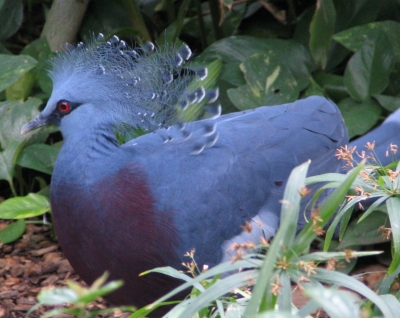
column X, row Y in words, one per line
column 92, row 295
column 13, row 67
column 11, row 15
column 13, row 115
column 326, row 211
column 355, row 37
column 332, row 84
column 359, row 117
column 24, row 207
column 217, row 290
column 392, row 302
column 391, row 103
column 22, row 88
column 39, row 49
column 8, row 159
column 367, row 72
column 13, row 231
column 313, row 90
column 393, row 208
column 336, row 303
column 107, row 18
column 268, row 83
column 349, row 15
column 249, row 262
column 333, row 277
column 235, row 50
column 282, row 240
column 321, row 30
column 365, row 232
column 40, row 157
column 57, row 296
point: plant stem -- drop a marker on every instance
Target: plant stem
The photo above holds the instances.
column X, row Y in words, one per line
column 181, row 18
column 215, row 15
column 203, row 36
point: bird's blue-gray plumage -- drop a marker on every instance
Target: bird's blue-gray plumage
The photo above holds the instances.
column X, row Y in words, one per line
column 130, row 208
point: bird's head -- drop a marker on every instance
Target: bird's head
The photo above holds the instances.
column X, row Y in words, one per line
column 107, row 83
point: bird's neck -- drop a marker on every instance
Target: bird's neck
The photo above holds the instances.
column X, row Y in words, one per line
column 92, row 142
column 82, row 151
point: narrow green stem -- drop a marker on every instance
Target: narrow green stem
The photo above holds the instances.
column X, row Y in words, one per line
column 291, row 17
column 215, row 16
column 181, row 18
column 10, row 182
column 203, row 36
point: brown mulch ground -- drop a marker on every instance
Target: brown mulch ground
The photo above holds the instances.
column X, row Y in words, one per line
column 30, row 264
column 35, row 261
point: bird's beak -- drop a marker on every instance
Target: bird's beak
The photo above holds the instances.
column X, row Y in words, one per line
column 37, row 122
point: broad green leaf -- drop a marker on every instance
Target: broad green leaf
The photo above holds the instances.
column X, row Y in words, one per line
column 227, row 50
column 233, row 18
column 13, row 115
column 355, row 37
column 367, row 72
column 359, row 117
column 321, row 30
column 332, row 84
column 13, row 231
column 13, row 67
column 11, row 15
column 21, row 88
column 365, row 232
column 391, row 103
column 40, row 157
column 313, row 90
column 268, row 83
column 350, row 14
column 393, row 208
column 24, row 207
column 39, row 49
column 235, row 50
column 109, row 18
column 8, row 158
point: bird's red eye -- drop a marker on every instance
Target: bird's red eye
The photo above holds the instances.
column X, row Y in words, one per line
column 64, row 107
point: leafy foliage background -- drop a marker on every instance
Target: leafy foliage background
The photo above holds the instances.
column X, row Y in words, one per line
column 272, row 52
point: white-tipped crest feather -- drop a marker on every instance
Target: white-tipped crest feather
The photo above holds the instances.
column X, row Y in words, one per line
column 126, row 82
